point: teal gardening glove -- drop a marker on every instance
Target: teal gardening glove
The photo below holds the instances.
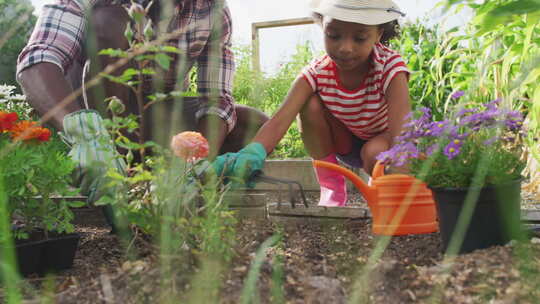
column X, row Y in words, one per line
column 93, row 151
column 240, row 166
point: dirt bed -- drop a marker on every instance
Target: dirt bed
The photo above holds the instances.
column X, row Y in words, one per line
column 335, row 261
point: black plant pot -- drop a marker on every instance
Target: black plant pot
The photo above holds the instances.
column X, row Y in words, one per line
column 38, row 255
column 495, row 218
column 59, row 252
column 28, row 255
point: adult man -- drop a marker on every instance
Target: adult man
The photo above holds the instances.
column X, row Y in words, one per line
column 49, row 69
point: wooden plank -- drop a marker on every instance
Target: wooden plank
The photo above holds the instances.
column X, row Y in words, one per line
column 283, row 22
column 256, row 61
column 316, row 211
column 530, row 216
column 245, row 199
column 250, row 212
column 73, row 198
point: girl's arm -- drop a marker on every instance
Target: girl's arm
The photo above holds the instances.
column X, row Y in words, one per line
column 274, row 129
column 397, row 96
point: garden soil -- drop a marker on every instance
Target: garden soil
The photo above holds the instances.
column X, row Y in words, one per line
column 336, row 261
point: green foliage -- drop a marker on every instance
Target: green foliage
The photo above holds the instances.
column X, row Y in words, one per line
column 491, row 14
column 250, row 290
column 500, row 164
column 33, row 172
column 16, row 24
column 163, row 195
column 504, row 41
column 436, row 64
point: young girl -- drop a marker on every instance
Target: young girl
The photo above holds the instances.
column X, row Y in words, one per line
column 351, row 102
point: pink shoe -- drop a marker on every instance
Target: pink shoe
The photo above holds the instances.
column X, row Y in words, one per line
column 333, row 187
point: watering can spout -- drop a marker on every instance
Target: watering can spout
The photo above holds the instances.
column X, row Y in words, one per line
column 369, row 193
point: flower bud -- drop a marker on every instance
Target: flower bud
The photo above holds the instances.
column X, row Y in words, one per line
column 136, row 12
column 128, row 33
column 148, row 31
column 129, row 156
column 116, row 106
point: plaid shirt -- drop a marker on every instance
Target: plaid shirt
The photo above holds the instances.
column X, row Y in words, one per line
column 59, row 36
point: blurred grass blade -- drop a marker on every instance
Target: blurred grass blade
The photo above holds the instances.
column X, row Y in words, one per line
column 250, row 284
column 9, row 276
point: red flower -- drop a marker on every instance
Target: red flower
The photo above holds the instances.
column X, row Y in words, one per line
column 190, row 146
column 7, row 120
column 29, row 130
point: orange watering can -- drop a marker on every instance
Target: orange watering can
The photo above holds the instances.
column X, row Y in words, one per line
column 400, row 204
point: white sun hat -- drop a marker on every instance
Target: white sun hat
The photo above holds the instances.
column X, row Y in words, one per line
column 370, row 12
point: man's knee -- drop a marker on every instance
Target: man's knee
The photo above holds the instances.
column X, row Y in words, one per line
column 249, row 121
column 249, row 117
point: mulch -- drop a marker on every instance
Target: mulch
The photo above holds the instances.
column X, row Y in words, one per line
column 316, row 261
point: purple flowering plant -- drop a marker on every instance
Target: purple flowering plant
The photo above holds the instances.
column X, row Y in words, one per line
column 449, row 153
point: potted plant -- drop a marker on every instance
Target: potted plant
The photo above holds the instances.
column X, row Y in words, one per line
column 472, row 163
column 34, row 168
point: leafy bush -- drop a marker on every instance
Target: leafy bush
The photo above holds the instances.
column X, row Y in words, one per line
column 16, row 23
column 431, row 57
column 33, row 168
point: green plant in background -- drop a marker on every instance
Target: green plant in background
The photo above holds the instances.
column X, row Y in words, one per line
column 437, row 63
column 34, row 169
column 16, row 23
column 165, row 196
column 250, row 292
column 507, row 42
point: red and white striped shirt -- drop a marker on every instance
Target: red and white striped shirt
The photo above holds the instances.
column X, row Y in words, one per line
column 363, row 110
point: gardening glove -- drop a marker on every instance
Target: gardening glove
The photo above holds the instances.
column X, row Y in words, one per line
column 248, row 160
column 224, row 163
column 94, row 153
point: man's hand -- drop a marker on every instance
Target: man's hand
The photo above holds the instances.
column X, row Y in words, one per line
column 93, row 151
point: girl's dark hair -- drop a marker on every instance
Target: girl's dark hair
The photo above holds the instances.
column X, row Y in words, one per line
column 390, row 29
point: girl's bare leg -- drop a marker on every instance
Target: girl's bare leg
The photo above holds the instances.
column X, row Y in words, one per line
column 321, row 132
column 372, row 148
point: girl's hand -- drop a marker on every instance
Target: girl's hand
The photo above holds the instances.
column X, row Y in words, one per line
column 249, row 160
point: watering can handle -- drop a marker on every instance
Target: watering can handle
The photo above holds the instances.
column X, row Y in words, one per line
column 378, row 170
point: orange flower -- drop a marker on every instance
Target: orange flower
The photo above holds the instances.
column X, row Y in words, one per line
column 190, row 146
column 7, row 120
column 28, row 130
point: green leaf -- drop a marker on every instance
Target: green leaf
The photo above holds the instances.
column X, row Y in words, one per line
column 184, row 94
column 114, row 53
column 76, row 204
column 170, row 49
column 163, row 60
